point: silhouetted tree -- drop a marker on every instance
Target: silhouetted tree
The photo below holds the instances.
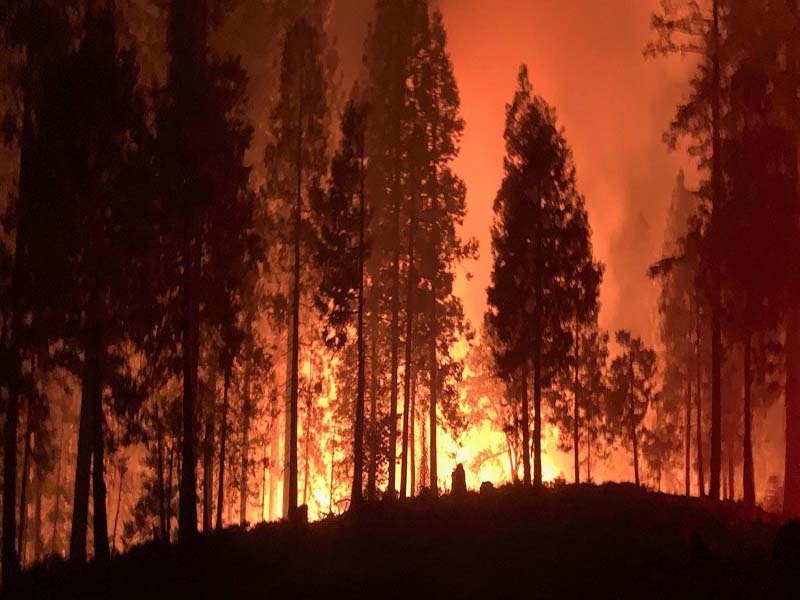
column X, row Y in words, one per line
column 631, row 390
column 540, row 245
column 343, row 247
column 297, row 158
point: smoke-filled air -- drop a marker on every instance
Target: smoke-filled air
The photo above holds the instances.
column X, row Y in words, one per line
column 448, row 298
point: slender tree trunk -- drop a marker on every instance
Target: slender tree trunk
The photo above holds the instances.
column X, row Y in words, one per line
column 83, row 465
column 187, row 502
column 576, row 416
column 688, row 441
column 423, row 458
column 748, row 477
column 526, row 427
column 57, row 496
column 9, row 557
column 287, row 412
column 274, row 458
column 634, row 436
column 395, row 343
column 294, row 382
column 307, row 436
column 716, row 335
column 411, row 285
column 37, row 513
column 116, row 512
column 374, row 438
column 701, row 485
column 434, row 367
column 357, row 494
column 99, row 514
column 160, row 489
column 223, row 437
column 537, row 349
column 412, row 438
column 208, row 444
column 791, row 502
column 170, row 471
column 23, row 493
column 245, row 442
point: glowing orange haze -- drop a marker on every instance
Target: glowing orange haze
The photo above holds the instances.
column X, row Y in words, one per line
column 585, row 58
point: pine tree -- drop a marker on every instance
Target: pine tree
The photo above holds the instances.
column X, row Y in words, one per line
column 539, row 241
column 297, row 158
column 341, row 256
column 206, row 210
column 631, row 391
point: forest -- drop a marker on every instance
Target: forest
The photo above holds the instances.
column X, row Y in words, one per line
column 232, row 266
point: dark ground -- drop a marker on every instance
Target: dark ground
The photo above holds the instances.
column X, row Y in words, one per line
column 610, row 541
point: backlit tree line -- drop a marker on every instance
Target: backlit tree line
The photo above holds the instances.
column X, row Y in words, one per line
column 226, row 283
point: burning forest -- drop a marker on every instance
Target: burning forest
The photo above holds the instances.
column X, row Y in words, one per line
column 293, row 282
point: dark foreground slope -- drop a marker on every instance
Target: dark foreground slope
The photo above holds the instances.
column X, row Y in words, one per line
column 611, row 541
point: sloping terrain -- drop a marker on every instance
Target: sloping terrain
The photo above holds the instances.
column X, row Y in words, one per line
column 609, row 541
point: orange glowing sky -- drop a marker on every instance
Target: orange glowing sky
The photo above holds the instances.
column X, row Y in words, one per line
column 585, row 58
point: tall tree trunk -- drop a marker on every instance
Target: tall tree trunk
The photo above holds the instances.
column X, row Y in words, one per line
column 210, row 402
column 287, row 420
column 537, row 349
column 688, row 442
column 634, row 436
column 291, row 509
column 357, row 494
column 526, row 426
column 576, row 416
column 412, row 438
column 223, row 437
column 411, row 285
column 791, row 501
column 245, row 441
column 434, row 368
column 701, row 485
column 83, row 466
column 374, row 437
column 99, row 513
column 748, row 477
column 39, row 477
column 274, row 457
column 9, row 557
column 160, row 487
column 170, row 471
column 307, row 433
column 423, row 455
column 716, row 335
column 187, row 501
column 54, row 545
column 23, row 492
column 116, row 511
column 395, row 343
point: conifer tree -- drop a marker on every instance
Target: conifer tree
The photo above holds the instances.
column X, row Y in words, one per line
column 539, row 242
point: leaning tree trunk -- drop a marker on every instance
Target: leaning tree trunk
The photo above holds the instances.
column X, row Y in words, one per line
column 634, row 436
column 411, row 285
column 223, row 437
column 748, row 477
